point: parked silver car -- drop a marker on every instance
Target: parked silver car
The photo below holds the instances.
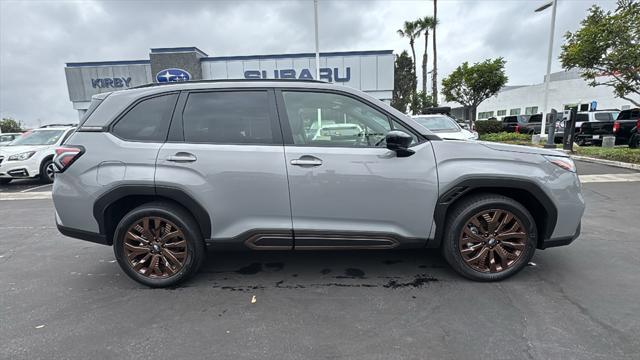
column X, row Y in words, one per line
column 159, row 171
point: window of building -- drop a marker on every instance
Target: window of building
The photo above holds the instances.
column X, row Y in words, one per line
column 228, row 117
column 325, row 119
column 502, row 112
column 485, row 114
column 514, row 111
column 531, row 110
column 148, row 120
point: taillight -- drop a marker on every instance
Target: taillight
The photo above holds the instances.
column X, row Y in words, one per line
column 66, row 155
column 616, row 126
column 517, row 130
column 638, row 125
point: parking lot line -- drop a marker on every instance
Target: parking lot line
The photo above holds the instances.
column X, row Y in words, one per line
column 34, row 188
column 26, row 196
column 609, row 178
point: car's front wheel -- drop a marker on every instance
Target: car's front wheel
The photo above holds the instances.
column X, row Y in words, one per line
column 489, row 237
column 47, row 171
column 158, row 244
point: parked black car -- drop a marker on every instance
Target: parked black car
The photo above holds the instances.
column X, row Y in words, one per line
column 634, row 140
column 512, row 122
column 592, row 132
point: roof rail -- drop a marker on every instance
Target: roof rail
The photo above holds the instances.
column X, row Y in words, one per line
column 227, row 80
column 56, row 125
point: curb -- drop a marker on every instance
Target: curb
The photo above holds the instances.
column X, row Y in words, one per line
column 619, row 164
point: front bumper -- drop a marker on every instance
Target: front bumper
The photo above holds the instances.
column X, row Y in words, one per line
column 19, row 169
column 561, row 241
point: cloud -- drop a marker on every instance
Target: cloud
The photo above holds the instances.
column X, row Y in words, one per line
column 38, row 37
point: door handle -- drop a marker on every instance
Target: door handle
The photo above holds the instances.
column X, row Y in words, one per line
column 182, row 157
column 307, row 160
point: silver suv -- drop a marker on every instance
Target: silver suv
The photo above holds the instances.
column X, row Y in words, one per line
column 159, row 171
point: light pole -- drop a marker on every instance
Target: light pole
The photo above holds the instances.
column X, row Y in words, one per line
column 554, row 4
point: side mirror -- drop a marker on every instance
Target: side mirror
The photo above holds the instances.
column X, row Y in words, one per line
column 399, row 141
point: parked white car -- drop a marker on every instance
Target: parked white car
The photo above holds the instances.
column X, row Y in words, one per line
column 445, row 127
column 6, row 138
column 31, row 155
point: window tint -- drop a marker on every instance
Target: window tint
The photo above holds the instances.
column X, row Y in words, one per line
column 629, row 114
column 602, row 116
column 582, row 117
column 234, row 117
column 148, row 120
column 325, row 119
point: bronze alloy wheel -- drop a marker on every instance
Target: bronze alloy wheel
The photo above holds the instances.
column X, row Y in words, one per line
column 492, row 240
column 155, row 247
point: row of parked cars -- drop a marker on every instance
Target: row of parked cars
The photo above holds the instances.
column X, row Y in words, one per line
column 591, row 126
column 30, row 155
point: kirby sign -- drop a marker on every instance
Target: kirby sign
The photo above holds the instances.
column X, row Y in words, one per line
column 172, row 75
column 327, row 74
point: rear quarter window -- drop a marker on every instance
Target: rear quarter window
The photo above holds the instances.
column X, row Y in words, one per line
column 602, row 116
column 148, row 120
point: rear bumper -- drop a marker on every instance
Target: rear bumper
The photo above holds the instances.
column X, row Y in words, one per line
column 561, row 241
column 83, row 235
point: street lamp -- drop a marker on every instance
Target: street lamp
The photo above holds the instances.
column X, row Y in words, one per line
column 553, row 3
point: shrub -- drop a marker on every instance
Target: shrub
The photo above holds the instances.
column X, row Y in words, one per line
column 488, row 126
column 506, row 137
column 623, row 154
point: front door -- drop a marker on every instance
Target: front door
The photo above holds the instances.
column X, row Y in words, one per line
column 225, row 150
column 347, row 189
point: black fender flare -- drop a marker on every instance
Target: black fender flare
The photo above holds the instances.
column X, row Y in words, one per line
column 468, row 184
column 177, row 195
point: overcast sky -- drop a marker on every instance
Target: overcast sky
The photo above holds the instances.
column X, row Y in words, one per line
column 38, row 37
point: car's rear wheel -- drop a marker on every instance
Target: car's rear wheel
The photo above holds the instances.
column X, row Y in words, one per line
column 489, row 237
column 47, row 171
column 158, row 244
column 634, row 142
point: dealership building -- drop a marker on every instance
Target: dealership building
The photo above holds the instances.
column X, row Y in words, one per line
column 566, row 90
column 369, row 71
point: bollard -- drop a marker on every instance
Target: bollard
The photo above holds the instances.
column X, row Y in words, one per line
column 608, row 141
column 535, row 139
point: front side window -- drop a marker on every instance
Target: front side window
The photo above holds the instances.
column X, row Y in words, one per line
column 38, row 137
column 148, row 120
column 228, row 117
column 326, row 119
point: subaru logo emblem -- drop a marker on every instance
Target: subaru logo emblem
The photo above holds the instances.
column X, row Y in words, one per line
column 172, row 75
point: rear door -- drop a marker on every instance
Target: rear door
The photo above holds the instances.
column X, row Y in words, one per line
column 225, row 150
column 347, row 189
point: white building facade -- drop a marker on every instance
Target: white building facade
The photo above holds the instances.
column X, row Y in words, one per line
column 566, row 90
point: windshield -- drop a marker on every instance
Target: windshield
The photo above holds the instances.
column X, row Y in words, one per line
column 438, row 123
column 38, row 137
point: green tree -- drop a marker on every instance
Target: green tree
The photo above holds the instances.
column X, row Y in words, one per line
column 607, row 49
column 410, row 30
column 403, row 81
column 420, row 101
column 424, row 25
column 434, row 72
column 10, row 125
column 471, row 85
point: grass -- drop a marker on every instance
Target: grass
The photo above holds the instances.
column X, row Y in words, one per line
column 507, row 137
column 621, row 153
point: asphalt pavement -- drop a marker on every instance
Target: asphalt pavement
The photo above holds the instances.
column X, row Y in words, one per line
column 62, row 298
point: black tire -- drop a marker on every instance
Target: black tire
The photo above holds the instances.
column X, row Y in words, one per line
column 634, row 142
column 195, row 249
column 463, row 212
column 5, row 181
column 46, row 171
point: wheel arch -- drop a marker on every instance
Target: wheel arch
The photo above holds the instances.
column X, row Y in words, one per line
column 111, row 206
column 526, row 192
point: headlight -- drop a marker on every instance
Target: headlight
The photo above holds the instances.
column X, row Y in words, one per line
column 474, row 136
column 561, row 161
column 21, row 156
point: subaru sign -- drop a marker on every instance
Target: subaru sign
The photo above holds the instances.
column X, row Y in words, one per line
column 327, row 74
column 172, row 75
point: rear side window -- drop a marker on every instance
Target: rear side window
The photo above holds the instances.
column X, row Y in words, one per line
column 602, row 116
column 148, row 120
column 629, row 114
column 582, row 117
column 228, row 117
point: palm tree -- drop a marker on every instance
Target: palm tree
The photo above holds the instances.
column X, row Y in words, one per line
column 434, row 73
column 424, row 24
column 411, row 31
